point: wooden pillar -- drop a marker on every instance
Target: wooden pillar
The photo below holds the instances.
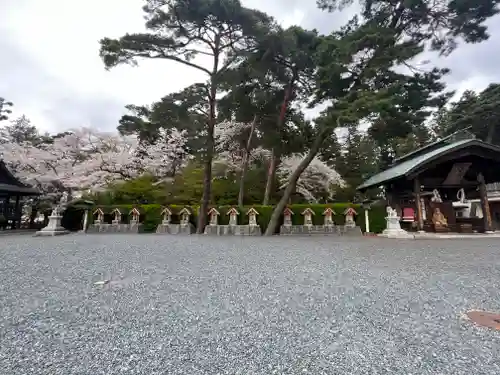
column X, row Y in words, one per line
column 389, row 198
column 6, row 211
column 488, row 226
column 418, row 203
column 7, row 203
column 3, row 201
column 16, row 220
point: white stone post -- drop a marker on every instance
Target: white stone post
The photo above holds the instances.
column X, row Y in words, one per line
column 85, row 220
column 367, row 221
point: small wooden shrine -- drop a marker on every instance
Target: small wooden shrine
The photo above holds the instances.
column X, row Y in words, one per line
column 423, row 185
column 12, row 192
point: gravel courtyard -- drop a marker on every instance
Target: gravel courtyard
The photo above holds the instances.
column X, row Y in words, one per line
column 206, row 305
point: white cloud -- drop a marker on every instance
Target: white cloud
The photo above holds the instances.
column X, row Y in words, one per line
column 476, row 83
column 53, row 73
column 63, row 41
column 65, row 44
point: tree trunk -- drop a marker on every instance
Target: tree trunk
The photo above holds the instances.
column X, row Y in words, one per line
column 290, row 188
column 274, row 160
column 271, row 172
column 246, row 159
column 207, row 173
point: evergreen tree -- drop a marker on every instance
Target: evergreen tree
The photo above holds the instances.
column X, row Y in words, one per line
column 355, row 65
column 479, row 112
column 4, row 109
column 180, row 30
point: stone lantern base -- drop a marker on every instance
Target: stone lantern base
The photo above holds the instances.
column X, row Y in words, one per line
column 53, row 228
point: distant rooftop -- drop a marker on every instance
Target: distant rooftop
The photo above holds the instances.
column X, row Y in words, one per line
column 459, row 135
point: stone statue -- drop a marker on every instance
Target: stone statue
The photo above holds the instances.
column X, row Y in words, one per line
column 64, row 198
column 54, row 227
column 391, row 212
column 59, row 207
column 436, row 197
column 56, row 211
column 438, row 219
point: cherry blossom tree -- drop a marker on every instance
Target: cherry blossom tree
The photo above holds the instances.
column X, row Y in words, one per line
column 236, row 148
column 85, row 159
column 317, row 181
column 230, row 140
column 167, row 155
column 234, row 154
column 51, row 166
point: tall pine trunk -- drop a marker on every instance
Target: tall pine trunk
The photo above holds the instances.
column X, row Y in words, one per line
column 292, row 183
column 207, row 173
column 273, row 163
column 207, row 186
column 246, row 159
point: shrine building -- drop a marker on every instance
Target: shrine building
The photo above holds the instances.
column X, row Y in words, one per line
column 444, row 186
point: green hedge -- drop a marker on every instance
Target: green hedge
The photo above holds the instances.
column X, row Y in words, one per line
column 151, row 214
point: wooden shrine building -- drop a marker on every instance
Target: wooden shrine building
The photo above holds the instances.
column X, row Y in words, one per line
column 425, row 185
column 11, row 193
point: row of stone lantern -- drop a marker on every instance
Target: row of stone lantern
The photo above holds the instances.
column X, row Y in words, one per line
column 233, row 214
column 328, row 214
column 213, row 226
column 99, row 226
column 327, row 228
column 117, row 216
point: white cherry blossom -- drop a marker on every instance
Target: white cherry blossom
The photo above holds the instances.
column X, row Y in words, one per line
column 318, row 179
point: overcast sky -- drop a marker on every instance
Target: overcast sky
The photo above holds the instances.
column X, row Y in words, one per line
column 51, row 70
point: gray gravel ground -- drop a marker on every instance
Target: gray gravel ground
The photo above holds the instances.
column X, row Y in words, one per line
column 207, row 305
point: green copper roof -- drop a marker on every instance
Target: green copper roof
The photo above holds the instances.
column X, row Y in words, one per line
column 406, row 167
column 459, row 135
